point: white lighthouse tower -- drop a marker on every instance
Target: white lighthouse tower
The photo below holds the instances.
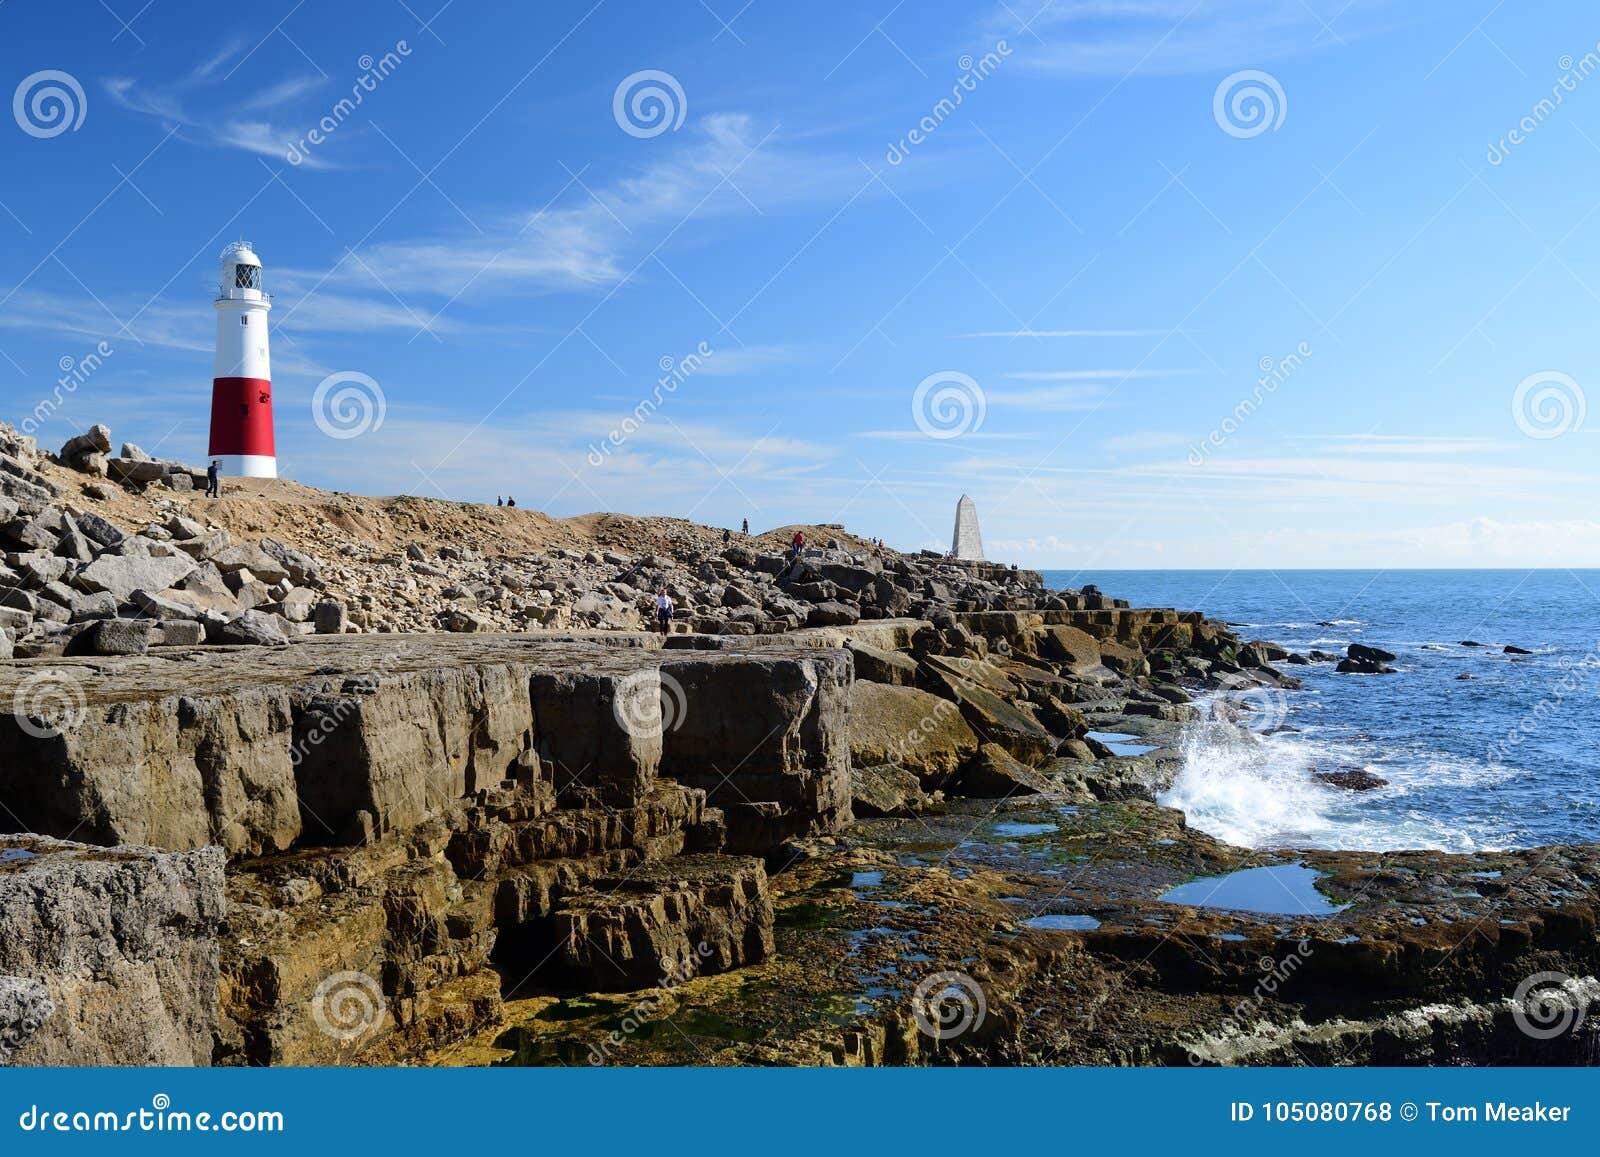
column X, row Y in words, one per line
column 241, row 385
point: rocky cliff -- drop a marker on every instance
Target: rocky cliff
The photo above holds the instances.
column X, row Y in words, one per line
column 401, row 781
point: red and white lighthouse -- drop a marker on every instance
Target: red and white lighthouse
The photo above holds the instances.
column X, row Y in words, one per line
column 241, row 385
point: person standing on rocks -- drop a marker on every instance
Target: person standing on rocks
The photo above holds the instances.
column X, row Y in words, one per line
column 498, row 501
column 510, row 501
column 746, row 528
column 664, row 611
column 797, row 545
column 214, row 479
column 727, row 537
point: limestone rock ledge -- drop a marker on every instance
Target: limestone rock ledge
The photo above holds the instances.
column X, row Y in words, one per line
column 122, row 942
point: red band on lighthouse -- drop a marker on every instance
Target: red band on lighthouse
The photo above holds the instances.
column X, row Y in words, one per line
column 241, row 417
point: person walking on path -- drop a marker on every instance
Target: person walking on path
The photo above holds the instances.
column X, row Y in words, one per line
column 664, row 611
column 214, row 479
column 797, row 546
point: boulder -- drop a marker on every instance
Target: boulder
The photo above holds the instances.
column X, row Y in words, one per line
column 1364, row 654
column 910, row 729
column 251, row 629
column 994, row 774
column 114, row 637
column 73, row 544
column 95, row 440
column 100, row 530
column 331, row 617
column 130, row 470
column 879, row 666
column 99, row 606
column 994, row 718
column 121, row 575
column 177, row 633
column 1075, row 650
column 205, row 545
column 302, row 569
column 833, row 614
column 153, row 606
column 1352, row 779
column 888, row 791
column 252, row 558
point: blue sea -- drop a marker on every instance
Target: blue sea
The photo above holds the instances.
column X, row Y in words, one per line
column 1508, row 759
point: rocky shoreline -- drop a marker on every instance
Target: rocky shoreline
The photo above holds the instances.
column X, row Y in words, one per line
column 294, row 801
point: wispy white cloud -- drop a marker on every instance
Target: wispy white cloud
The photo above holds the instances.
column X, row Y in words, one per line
column 1156, row 37
column 603, row 232
column 736, row 360
column 194, row 105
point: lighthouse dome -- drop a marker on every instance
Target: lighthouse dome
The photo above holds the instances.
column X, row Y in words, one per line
column 241, row 272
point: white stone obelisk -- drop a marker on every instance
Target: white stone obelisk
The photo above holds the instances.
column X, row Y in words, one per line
column 968, row 540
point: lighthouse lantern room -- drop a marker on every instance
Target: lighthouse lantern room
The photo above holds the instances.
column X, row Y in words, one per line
column 241, row 386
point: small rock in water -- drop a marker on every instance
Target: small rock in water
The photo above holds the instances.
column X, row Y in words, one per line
column 1352, row 779
column 1515, row 650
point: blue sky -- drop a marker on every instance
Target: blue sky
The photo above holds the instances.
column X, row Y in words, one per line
column 1093, row 260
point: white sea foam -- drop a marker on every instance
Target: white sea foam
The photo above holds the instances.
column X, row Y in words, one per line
column 1262, row 792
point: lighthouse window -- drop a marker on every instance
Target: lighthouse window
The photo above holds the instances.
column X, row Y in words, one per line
column 244, row 319
column 247, row 276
